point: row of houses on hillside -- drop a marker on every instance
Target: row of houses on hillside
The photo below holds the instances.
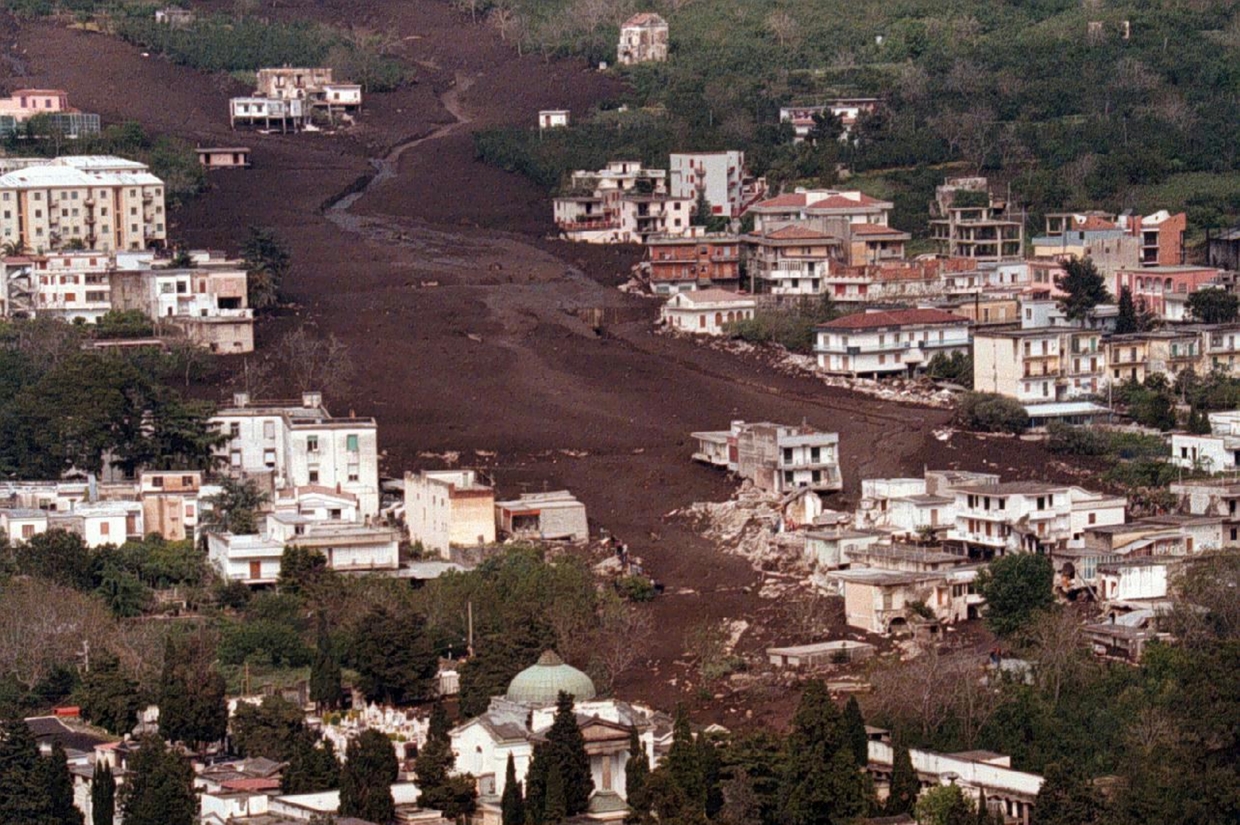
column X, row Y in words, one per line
column 205, row 301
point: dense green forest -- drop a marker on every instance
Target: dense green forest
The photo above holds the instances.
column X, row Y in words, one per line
column 1026, row 92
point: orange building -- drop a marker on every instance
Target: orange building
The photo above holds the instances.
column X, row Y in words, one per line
column 703, row 260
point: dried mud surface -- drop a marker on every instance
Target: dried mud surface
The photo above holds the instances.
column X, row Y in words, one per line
column 494, row 356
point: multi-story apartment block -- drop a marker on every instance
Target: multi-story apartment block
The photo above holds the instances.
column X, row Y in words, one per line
column 104, row 203
column 643, row 39
column 449, row 508
column 623, row 203
column 207, row 303
column 349, row 548
column 255, row 111
column 289, row 83
column 1039, row 365
column 696, row 260
column 50, row 105
column 783, row 458
column 775, row 457
column 1029, row 516
column 297, row 444
column 968, row 222
column 1212, row 497
column 1220, row 347
column 791, row 260
column 719, row 176
column 869, row 243
column 170, row 502
column 882, row 342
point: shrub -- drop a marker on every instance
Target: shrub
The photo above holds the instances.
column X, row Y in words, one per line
column 991, row 413
column 956, row 368
column 1068, row 440
column 635, row 588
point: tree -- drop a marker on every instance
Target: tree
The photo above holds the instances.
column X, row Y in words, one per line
column 566, row 748
column 25, row 798
column 854, row 731
column 905, row 786
column 1085, row 288
column 991, row 413
column 311, row 767
column 1066, row 797
column 59, row 784
column 271, row 729
column 820, row 782
column 108, row 697
column 741, row 804
column 1016, row 587
column 1126, row 321
column 59, row 556
column 235, row 508
column 453, row 795
column 370, row 768
column 488, row 672
column 325, row 673
column 159, row 789
column 393, row 657
column 944, row 805
column 267, row 260
column 102, row 796
column 1214, row 306
column 313, row 362
column 556, row 806
column 301, row 569
column 191, row 692
column 1198, row 422
column 636, row 772
column 512, row 803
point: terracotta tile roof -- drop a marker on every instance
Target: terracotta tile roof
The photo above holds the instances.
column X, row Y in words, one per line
column 645, row 18
column 873, row 229
column 252, row 784
column 781, row 201
column 842, row 202
column 793, row 232
column 1093, row 222
column 894, row 318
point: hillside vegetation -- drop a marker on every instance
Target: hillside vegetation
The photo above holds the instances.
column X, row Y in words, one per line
column 1021, row 91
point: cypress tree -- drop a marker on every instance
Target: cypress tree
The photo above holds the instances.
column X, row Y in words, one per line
column 709, row 768
column 905, row 786
column 324, row 670
column 536, row 786
column 435, row 759
column 310, row 768
column 567, row 751
column 636, row 772
column 556, row 809
column 512, row 803
column 820, row 781
column 59, row 783
column 854, row 731
column 1126, row 322
column 160, row 787
column 683, row 763
column 102, row 796
column 370, row 768
column 24, row 795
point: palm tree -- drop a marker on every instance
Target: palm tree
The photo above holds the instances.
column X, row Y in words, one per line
column 12, row 249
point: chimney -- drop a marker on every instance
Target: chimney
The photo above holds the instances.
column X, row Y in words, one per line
column 241, row 399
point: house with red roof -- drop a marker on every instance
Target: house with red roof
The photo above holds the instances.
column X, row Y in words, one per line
column 793, row 259
column 815, row 206
column 889, row 342
column 707, row 311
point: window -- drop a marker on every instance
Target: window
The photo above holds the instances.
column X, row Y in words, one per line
column 187, row 481
column 351, row 443
column 269, row 458
column 354, row 475
column 105, row 529
column 269, row 429
column 27, row 531
column 234, row 458
column 234, row 430
column 314, row 476
column 157, row 481
column 312, row 444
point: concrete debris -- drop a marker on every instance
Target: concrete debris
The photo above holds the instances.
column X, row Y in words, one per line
column 450, row 457
column 904, row 390
column 736, row 629
column 748, row 525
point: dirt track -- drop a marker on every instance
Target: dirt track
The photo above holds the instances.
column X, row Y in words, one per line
column 540, row 380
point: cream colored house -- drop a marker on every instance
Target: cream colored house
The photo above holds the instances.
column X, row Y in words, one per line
column 447, row 508
column 706, row 311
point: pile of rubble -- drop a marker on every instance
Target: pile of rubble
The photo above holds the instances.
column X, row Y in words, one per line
column 748, row 525
column 904, row 390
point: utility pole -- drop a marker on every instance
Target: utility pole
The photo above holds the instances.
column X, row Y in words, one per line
column 469, row 606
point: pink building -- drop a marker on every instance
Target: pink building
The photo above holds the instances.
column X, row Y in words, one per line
column 1165, row 289
column 26, row 103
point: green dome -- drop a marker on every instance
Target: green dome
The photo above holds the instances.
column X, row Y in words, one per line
column 542, row 683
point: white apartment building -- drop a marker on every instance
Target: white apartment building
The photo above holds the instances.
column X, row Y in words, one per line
column 21, row 524
column 1029, row 516
column 348, row 548
column 1217, row 452
column 65, row 285
column 1039, row 365
column 257, row 111
column 783, row 458
column 719, row 176
column 298, row 444
column 881, row 601
column 447, row 508
column 103, row 202
column 816, row 206
column 887, row 342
